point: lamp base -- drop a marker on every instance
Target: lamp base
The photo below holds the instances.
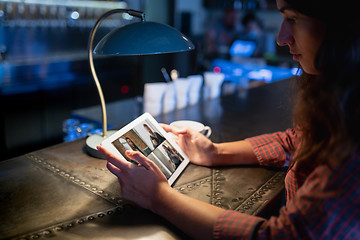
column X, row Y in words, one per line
column 93, row 141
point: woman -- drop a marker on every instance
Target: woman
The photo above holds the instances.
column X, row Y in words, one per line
column 174, row 158
column 322, row 183
column 133, row 146
column 155, row 137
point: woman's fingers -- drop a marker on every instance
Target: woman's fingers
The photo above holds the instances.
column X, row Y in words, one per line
column 114, row 170
column 166, row 127
column 138, row 157
column 174, row 130
column 145, row 163
column 119, row 163
column 138, row 182
column 184, row 142
column 185, row 136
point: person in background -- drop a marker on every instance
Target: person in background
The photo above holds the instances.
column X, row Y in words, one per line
column 253, row 30
column 322, row 150
column 220, row 35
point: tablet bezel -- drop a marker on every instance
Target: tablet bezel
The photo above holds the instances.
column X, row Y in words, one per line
column 147, row 118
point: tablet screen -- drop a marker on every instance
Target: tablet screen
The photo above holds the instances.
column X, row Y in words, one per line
column 147, row 137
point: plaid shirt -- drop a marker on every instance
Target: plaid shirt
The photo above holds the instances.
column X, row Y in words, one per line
column 325, row 204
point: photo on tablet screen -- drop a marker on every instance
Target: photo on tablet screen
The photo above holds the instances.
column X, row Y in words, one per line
column 146, row 139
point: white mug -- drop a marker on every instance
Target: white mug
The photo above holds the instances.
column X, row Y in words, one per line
column 198, row 126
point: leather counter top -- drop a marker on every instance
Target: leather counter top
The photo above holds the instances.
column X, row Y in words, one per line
column 62, row 193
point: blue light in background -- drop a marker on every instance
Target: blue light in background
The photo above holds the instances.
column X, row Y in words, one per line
column 261, row 74
column 235, row 71
column 242, row 48
column 75, row 15
column 296, row 71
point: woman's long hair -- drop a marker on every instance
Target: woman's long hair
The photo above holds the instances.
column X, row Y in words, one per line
column 327, row 107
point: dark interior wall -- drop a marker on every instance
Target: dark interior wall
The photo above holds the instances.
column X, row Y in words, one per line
column 32, row 118
column 45, row 75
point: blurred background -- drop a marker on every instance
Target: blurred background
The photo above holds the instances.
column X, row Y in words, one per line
column 44, row 69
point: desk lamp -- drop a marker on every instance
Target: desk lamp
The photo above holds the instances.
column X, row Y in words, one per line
column 139, row 38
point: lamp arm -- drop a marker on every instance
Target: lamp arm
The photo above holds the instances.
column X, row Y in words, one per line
column 91, row 60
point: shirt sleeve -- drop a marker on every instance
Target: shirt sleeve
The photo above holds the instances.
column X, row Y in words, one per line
column 322, row 208
column 275, row 149
column 235, row 225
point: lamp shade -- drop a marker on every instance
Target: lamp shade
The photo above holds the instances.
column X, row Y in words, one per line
column 143, row 38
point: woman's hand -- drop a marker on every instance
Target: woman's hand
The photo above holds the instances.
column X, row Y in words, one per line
column 196, row 146
column 146, row 185
column 142, row 184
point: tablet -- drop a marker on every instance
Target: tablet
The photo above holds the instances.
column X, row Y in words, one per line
column 145, row 135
